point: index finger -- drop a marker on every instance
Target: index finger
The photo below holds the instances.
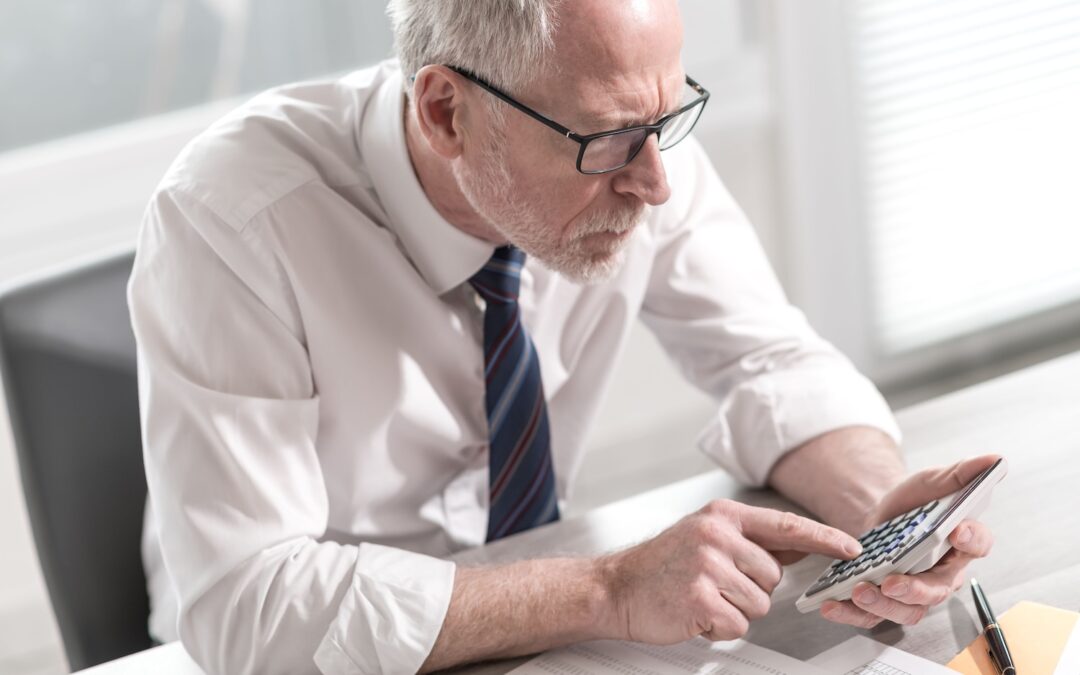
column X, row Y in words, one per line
column 784, row 531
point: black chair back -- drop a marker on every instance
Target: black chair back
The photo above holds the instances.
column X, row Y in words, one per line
column 67, row 361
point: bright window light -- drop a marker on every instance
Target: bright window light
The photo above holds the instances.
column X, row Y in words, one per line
column 970, row 133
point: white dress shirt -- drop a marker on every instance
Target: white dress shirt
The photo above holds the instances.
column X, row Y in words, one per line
column 310, row 375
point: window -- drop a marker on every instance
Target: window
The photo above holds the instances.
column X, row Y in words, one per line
column 929, row 148
column 99, row 97
column 69, row 66
column 970, row 152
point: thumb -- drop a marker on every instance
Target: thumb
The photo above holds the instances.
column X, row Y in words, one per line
column 930, row 484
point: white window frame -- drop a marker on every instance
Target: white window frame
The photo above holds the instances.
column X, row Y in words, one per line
column 825, row 243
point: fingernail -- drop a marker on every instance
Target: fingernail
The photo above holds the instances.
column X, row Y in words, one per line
column 964, row 536
column 832, row 612
column 868, row 596
column 853, row 548
column 899, row 590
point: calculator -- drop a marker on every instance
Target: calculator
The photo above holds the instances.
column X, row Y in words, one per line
column 908, row 544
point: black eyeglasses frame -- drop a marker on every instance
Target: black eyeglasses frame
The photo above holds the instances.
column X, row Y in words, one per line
column 583, row 140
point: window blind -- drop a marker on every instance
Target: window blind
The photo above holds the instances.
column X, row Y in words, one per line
column 969, row 115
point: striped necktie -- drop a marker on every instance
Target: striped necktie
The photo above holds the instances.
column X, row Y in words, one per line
column 522, row 481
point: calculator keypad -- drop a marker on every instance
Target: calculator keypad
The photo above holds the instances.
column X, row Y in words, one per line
column 884, row 543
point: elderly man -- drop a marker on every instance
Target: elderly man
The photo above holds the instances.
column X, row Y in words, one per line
column 375, row 317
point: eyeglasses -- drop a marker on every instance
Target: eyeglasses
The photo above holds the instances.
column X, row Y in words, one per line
column 612, row 150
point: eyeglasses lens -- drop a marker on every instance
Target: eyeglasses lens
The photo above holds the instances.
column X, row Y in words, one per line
column 678, row 127
column 611, row 152
column 617, row 150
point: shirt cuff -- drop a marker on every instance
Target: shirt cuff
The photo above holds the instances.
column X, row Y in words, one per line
column 769, row 415
column 391, row 614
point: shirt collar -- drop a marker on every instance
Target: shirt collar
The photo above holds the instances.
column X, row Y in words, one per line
column 444, row 255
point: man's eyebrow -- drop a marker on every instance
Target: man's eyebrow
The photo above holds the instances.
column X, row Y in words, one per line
column 610, row 121
column 620, row 119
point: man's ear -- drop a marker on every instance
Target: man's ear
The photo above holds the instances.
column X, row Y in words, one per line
column 439, row 101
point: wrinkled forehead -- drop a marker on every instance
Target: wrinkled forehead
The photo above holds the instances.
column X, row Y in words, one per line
column 617, row 58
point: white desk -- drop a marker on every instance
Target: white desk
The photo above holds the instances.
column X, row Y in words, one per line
column 1032, row 417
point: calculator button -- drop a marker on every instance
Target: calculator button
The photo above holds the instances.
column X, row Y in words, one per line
column 930, row 507
column 876, row 529
column 872, row 533
column 818, row 587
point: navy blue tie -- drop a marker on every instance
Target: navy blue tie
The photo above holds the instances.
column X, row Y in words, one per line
column 522, row 482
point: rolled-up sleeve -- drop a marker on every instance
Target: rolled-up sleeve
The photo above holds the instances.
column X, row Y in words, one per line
column 230, row 420
column 716, row 306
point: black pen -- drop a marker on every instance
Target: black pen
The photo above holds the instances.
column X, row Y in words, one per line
column 995, row 638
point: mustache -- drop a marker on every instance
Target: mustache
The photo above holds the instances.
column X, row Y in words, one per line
column 615, row 220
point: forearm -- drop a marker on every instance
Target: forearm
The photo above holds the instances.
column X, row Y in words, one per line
column 841, row 475
column 521, row 608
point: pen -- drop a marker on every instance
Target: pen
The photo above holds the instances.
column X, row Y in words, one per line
column 995, row 638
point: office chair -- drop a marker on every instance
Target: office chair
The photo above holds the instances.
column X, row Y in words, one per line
column 67, row 361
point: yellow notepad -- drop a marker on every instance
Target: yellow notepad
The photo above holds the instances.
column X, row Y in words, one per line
column 1036, row 634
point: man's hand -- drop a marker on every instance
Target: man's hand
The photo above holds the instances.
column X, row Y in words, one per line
column 906, row 598
column 712, row 572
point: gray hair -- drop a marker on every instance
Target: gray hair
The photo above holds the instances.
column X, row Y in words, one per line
column 502, row 41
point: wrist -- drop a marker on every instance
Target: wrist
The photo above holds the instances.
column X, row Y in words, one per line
column 610, row 591
column 861, row 510
column 841, row 476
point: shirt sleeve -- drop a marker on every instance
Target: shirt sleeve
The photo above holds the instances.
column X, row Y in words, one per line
column 716, row 306
column 230, row 418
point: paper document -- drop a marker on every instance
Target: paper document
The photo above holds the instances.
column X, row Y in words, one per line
column 1069, row 663
column 695, row 656
column 862, row 656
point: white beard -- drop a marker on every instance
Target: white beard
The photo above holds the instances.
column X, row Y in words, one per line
column 490, row 189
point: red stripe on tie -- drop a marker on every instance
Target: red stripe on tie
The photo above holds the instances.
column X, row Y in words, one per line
column 519, row 451
column 535, row 491
column 511, row 325
column 494, row 367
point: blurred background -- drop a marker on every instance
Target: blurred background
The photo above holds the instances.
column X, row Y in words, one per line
column 910, row 165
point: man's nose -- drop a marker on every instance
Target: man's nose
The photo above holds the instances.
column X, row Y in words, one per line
column 644, row 177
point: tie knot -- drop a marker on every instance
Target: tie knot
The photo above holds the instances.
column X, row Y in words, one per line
column 499, row 280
